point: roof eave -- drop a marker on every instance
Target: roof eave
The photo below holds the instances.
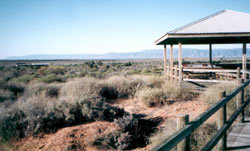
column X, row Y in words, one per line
column 199, row 35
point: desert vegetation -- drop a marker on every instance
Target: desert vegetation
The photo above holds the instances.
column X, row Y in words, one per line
column 43, row 100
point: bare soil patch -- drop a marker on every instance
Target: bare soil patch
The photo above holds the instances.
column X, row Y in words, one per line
column 79, row 137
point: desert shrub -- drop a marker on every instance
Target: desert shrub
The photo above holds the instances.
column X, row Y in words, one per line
column 108, row 93
column 50, row 78
column 153, row 81
column 42, row 70
column 12, row 124
column 83, row 73
column 80, row 87
column 51, row 70
column 24, row 79
column 163, row 133
column 9, row 73
column 113, row 140
column 125, row 86
column 145, row 71
column 5, row 95
column 165, row 93
column 41, row 115
column 17, row 89
column 43, row 90
column 1, row 68
column 202, row 135
column 152, row 96
column 132, row 132
column 210, row 96
column 55, row 69
column 3, row 83
column 127, row 64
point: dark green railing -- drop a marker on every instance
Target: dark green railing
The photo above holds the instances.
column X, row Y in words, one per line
column 183, row 133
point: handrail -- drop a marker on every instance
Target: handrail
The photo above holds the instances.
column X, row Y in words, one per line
column 178, row 136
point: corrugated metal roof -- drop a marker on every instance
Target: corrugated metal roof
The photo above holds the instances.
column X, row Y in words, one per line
column 225, row 21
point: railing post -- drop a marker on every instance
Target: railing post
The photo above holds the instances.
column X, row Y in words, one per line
column 238, row 84
column 168, row 75
column 242, row 102
column 175, row 73
column 183, row 120
column 180, row 75
column 222, row 119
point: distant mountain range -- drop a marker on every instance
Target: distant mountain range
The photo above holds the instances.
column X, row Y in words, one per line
column 144, row 54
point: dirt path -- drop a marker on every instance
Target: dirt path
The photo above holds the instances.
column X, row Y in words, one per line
column 134, row 106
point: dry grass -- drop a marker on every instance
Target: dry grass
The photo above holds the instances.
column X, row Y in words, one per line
column 167, row 92
column 198, row 138
column 211, row 95
column 163, row 133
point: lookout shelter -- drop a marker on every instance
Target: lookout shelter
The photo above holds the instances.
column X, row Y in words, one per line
column 224, row 27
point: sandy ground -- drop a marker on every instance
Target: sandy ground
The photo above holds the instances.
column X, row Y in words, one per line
column 79, row 137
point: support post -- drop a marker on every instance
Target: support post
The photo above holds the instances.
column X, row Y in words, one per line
column 210, row 55
column 222, row 119
column 241, row 102
column 175, row 73
column 184, row 145
column 244, row 60
column 165, row 60
column 180, row 63
column 171, row 61
column 238, row 84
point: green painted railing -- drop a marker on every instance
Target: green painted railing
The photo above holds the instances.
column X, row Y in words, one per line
column 187, row 130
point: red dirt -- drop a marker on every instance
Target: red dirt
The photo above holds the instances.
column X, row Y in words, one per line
column 79, row 137
column 193, row 108
column 70, row 138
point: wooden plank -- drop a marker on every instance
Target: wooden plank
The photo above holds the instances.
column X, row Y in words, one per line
column 209, row 70
column 239, row 137
column 227, row 74
column 209, row 146
column 207, row 81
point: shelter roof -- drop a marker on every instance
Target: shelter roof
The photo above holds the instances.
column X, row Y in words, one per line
column 225, row 26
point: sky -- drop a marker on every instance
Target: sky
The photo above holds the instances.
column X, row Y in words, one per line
column 97, row 26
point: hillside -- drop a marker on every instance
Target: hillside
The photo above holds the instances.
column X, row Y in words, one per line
column 144, row 54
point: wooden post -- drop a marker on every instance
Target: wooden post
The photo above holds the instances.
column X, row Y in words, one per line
column 175, row 73
column 165, row 60
column 168, row 75
column 241, row 102
column 183, row 120
column 171, row 61
column 244, row 60
column 222, row 119
column 180, row 64
column 210, row 55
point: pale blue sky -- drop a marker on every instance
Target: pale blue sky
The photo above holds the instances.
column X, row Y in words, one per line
column 96, row 26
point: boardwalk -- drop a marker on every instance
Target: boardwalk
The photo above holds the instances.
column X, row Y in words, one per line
column 240, row 137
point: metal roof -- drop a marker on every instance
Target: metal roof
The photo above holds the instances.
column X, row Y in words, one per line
column 225, row 23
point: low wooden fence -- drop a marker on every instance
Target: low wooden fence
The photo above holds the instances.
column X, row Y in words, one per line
column 176, row 73
column 181, row 137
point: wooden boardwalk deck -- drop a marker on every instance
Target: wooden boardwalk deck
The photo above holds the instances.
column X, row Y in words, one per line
column 239, row 137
